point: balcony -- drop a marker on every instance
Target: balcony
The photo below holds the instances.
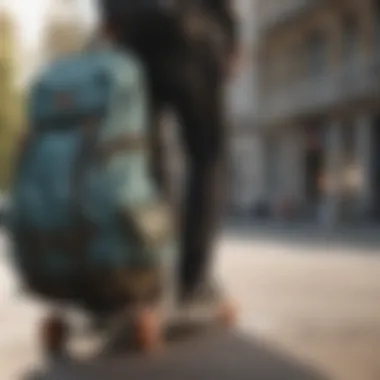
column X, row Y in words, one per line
column 357, row 80
column 277, row 12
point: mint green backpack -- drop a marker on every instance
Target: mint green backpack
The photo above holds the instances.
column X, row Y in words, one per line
column 83, row 185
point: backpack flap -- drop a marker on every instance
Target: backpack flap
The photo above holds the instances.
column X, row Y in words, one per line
column 73, row 88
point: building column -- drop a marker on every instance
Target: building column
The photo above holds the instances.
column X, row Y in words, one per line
column 268, row 170
column 291, row 166
column 246, row 163
column 300, row 150
column 274, row 162
column 288, row 174
column 364, row 159
column 259, row 158
column 283, row 161
column 330, row 210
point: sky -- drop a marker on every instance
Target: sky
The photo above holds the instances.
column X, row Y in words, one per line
column 30, row 18
column 29, row 15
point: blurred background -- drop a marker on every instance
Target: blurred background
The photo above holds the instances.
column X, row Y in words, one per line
column 300, row 249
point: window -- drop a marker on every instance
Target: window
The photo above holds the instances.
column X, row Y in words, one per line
column 316, row 49
column 377, row 21
column 350, row 37
column 296, row 60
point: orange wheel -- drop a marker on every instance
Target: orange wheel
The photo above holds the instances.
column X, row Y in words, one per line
column 148, row 331
column 228, row 315
column 54, row 334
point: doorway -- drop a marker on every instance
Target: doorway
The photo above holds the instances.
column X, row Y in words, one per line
column 314, row 164
column 375, row 168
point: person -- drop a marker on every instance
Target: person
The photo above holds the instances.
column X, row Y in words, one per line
column 187, row 50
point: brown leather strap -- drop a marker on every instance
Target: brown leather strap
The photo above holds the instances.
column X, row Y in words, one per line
column 124, row 143
column 73, row 241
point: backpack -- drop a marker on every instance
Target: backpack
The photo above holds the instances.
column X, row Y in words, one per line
column 82, row 186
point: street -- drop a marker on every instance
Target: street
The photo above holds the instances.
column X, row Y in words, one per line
column 319, row 307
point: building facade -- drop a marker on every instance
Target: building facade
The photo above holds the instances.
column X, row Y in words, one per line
column 319, row 109
column 245, row 168
column 245, row 158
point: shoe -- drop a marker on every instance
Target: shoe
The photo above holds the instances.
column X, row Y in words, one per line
column 205, row 294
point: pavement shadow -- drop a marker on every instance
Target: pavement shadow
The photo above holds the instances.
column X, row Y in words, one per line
column 347, row 236
column 217, row 356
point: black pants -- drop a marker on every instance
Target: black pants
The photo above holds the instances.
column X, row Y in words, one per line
column 187, row 75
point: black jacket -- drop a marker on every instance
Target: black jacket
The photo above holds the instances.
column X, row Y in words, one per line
column 224, row 14
column 221, row 11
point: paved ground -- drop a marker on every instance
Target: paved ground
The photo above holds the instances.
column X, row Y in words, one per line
column 360, row 236
column 312, row 306
column 317, row 301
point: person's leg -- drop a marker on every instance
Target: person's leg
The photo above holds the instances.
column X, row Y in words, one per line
column 196, row 97
column 158, row 154
column 188, row 79
column 204, row 195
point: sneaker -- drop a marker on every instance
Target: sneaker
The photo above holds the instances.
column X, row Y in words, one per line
column 206, row 294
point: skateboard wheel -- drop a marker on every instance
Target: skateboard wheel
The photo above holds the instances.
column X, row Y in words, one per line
column 54, row 334
column 148, row 331
column 228, row 315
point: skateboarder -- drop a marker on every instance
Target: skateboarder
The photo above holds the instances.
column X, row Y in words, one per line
column 187, row 47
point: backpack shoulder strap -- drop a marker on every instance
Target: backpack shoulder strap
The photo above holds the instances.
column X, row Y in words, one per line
column 129, row 108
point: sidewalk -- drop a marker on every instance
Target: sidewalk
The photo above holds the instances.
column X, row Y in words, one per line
column 350, row 236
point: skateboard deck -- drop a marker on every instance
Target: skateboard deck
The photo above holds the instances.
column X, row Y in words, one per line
column 171, row 322
column 145, row 327
column 219, row 356
column 198, row 316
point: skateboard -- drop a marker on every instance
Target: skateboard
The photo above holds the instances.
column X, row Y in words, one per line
column 143, row 329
